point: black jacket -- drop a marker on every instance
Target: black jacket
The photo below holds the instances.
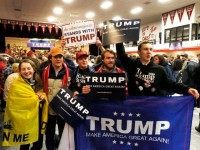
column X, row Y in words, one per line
column 77, row 81
column 147, row 80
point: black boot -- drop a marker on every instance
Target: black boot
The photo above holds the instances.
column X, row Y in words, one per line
column 197, row 128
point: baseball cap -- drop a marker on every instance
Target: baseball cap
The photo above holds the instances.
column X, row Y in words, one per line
column 184, row 55
column 56, row 51
column 81, row 54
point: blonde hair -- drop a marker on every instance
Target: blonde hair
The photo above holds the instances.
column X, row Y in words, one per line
column 15, row 67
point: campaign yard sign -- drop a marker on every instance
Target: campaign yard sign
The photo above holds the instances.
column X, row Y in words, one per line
column 120, row 31
column 70, row 108
column 79, row 33
column 140, row 123
column 107, row 86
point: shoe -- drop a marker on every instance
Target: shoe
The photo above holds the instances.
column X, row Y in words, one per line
column 197, row 128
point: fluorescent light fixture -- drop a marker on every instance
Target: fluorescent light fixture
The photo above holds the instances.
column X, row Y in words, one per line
column 67, row 1
column 136, row 10
column 163, row 1
column 106, row 4
column 90, row 15
column 58, row 10
column 116, row 18
column 51, row 19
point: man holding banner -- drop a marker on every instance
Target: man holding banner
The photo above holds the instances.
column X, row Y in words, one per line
column 55, row 76
column 108, row 66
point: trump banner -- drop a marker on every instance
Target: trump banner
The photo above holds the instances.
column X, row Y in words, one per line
column 139, row 123
column 79, row 33
column 120, row 31
column 107, row 86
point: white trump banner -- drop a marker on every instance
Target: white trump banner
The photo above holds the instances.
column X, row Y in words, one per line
column 79, row 33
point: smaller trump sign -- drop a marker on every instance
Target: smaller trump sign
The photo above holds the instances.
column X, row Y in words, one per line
column 79, row 33
column 70, row 108
column 107, row 86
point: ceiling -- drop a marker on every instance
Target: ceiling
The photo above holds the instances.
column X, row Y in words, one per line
column 39, row 10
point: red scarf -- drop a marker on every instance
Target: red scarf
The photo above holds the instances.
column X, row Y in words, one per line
column 45, row 76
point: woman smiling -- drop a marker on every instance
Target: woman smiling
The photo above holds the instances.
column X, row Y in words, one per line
column 25, row 118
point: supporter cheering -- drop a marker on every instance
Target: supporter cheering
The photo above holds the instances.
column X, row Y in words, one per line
column 26, row 108
column 147, row 78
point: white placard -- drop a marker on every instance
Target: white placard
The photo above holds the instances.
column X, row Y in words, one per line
column 79, row 33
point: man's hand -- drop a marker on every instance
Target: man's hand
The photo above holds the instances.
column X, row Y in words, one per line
column 86, row 89
column 98, row 42
column 193, row 92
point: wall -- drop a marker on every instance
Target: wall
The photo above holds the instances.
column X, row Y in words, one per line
column 150, row 32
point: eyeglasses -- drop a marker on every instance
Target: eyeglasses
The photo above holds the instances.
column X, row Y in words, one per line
column 58, row 56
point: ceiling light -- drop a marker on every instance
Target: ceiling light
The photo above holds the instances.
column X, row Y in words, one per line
column 68, row 1
column 106, row 4
column 116, row 18
column 51, row 19
column 58, row 10
column 90, row 15
column 136, row 10
column 163, row 1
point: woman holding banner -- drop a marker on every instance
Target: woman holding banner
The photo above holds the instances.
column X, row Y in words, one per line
column 25, row 118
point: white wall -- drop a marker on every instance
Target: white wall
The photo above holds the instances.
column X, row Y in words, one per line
column 150, row 32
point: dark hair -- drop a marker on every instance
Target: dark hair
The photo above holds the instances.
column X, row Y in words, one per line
column 11, row 60
column 161, row 58
column 143, row 43
column 107, row 51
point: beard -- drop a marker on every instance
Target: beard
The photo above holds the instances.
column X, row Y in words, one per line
column 109, row 66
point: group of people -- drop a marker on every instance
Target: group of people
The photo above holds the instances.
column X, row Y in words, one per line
column 31, row 88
